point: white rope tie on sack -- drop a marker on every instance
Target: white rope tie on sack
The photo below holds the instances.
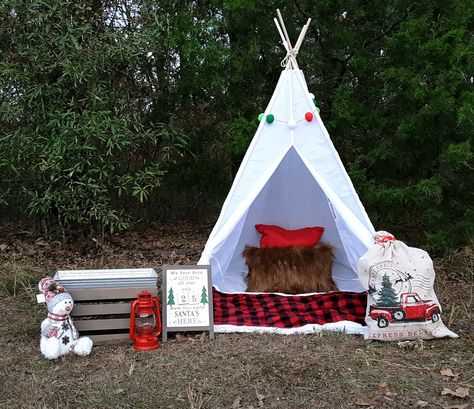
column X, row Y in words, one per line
column 381, row 237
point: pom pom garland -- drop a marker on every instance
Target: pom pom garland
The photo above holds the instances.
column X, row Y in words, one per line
column 308, row 116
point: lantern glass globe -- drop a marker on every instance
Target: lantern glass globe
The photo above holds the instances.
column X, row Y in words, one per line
column 145, row 323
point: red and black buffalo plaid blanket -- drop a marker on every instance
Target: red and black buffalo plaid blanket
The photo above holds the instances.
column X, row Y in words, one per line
column 273, row 310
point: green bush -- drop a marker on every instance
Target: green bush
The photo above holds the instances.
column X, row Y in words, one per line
column 78, row 140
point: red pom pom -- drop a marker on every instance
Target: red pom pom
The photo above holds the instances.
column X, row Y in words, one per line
column 308, row 116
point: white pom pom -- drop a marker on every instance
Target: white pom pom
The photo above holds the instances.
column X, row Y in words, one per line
column 83, row 346
column 50, row 347
column 292, row 124
column 312, row 96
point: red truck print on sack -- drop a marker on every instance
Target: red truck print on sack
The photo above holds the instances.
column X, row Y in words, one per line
column 411, row 308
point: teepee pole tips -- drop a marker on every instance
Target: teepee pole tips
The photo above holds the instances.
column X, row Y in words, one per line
column 290, row 60
column 287, row 61
column 302, row 35
column 282, row 23
column 285, row 43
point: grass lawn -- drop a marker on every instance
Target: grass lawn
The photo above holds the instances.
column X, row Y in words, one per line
column 233, row 371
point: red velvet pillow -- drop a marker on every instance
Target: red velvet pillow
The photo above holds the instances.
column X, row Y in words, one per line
column 276, row 236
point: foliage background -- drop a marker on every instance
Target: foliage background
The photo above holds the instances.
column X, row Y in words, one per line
column 119, row 111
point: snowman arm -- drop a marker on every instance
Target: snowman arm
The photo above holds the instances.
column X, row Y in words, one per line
column 49, row 331
column 75, row 334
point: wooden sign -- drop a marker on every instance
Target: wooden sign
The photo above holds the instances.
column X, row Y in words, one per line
column 187, row 299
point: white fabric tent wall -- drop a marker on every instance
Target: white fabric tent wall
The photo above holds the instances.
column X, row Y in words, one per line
column 313, row 139
column 293, row 178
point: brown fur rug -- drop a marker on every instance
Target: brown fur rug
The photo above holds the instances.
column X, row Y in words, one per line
column 290, row 270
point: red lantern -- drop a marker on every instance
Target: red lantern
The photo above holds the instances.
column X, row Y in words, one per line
column 145, row 322
column 308, row 116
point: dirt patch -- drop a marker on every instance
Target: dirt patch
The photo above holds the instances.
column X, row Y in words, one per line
column 234, row 370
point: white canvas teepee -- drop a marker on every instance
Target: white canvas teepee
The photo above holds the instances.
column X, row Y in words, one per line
column 291, row 176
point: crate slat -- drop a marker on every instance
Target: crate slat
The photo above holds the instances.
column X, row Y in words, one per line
column 85, row 309
column 103, row 339
column 99, row 325
column 114, row 293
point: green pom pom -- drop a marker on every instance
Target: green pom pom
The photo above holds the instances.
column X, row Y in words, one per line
column 260, row 116
column 317, row 109
column 270, row 118
column 315, row 101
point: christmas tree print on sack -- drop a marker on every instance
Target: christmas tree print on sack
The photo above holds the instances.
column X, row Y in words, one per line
column 387, row 294
column 58, row 333
column 401, row 301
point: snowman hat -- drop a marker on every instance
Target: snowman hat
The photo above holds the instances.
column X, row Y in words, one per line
column 53, row 292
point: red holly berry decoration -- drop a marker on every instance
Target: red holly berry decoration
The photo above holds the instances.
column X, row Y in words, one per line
column 308, row 116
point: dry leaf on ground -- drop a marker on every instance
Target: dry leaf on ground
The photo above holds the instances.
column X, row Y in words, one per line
column 181, row 338
column 460, row 392
column 416, row 345
column 236, row 403
column 366, row 403
column 448, row 372
column 421, row 404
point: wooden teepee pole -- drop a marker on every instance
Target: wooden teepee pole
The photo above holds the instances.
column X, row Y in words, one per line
column 291, row 63
column 280, row 17
column 285, row 44
column 302, row 35
column 283, row 39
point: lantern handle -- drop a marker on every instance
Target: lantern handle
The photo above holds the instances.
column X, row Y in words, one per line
column 156, row 301
column 132, row 320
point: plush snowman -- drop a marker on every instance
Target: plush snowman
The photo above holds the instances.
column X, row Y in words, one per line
column 58, row 334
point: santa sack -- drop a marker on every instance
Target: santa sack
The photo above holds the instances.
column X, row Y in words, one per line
column 401, row 302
